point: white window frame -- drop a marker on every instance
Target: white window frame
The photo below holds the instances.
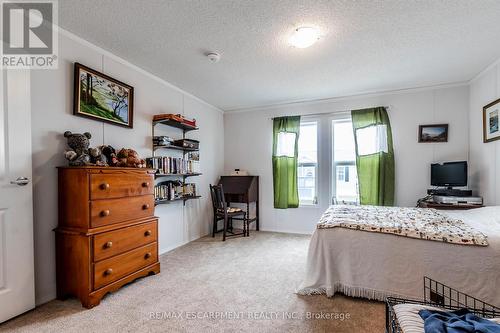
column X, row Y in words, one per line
column 315, row 201
column 340, row 118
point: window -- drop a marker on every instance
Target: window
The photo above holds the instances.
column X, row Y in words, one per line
column 372, row 139
column 286, row 144
column 307, row 172
column 344, row 174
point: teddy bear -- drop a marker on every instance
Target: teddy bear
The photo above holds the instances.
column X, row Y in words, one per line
column 109, row 153
column 130, row 158
column 79, row 153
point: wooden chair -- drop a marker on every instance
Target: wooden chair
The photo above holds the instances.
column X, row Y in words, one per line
column 228, row 214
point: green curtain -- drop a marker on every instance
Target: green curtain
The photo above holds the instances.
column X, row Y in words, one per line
column 286, row 193
column 375, row 171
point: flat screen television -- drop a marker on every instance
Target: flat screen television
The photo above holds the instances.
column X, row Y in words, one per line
column 449, row 174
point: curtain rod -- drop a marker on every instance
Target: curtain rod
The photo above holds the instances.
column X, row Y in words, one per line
column 320, row 113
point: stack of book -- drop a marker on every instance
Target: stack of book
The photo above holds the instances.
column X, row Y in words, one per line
column 175, row 117
column 173, row 165
column 163, row 141
column 169, row 190
column 174, row 190
column 189, row 189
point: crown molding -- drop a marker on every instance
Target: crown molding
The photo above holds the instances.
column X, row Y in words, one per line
column 366, row 94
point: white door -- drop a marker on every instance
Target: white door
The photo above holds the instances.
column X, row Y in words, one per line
column 17, row 291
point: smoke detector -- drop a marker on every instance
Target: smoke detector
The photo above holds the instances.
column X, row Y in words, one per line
column 213, row 56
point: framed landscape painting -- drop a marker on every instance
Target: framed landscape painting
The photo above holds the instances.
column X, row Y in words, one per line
column 491, row 112
column 100, row 97
column 433, row 133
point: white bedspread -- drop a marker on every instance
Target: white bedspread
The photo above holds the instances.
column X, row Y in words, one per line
column 375, row 265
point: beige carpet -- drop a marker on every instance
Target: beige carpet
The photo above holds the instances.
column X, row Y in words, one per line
column 241, row 285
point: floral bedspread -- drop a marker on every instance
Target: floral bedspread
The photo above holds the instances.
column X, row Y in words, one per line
column 422, row 223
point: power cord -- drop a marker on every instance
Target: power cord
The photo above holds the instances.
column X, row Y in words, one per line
column 424, row 199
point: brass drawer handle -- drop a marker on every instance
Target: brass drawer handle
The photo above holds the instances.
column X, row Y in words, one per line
column 104, row 186
column 105, row 213
column 145, row 184
column 109, row 271
column 145, row 206
column 108, row 245
column 147, row 233
column 147, row 255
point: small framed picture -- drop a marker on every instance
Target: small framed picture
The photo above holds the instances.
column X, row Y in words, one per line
column 433, row 133
column 491, row 112
column 101, row 97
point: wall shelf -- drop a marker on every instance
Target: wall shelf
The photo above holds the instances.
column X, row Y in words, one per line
column 176, row 124
column 184, row 149
column 185, row 128
column 185, row 175
column 186, row 198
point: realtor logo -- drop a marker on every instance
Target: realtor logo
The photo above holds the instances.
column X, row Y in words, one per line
column 29, row 34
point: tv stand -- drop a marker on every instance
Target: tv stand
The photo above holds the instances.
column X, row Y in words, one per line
column 441, row 206
column 450, row 192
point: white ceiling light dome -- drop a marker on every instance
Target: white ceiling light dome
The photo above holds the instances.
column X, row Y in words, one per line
column 304, row 37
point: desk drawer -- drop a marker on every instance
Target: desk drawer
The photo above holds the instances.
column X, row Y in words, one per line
column 105, row 212
column 107, row 186
column 115, row 242
column 114, row 268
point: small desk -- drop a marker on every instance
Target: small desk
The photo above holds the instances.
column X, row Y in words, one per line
column 428, row 204
column 242, row 189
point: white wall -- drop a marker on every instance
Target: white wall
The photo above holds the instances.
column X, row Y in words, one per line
column 248, row 145
column 52, row 96
column 484, row 157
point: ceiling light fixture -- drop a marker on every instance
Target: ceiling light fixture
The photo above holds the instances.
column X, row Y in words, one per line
column 304, row 37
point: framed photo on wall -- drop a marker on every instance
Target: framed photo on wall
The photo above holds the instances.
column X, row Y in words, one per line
column 433, row 133
column 101, row 97
column 491, row 112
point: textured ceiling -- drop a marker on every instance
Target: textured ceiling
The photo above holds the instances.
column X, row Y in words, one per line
column 367, row 45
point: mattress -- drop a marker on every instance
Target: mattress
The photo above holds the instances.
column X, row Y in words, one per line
column 375, row 265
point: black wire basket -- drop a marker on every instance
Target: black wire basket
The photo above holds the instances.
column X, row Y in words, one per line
column 441, row 296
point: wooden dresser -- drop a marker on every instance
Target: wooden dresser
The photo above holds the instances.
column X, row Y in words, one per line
column 107, row 234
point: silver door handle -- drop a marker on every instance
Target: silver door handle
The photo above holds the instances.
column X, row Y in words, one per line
column 21, row 181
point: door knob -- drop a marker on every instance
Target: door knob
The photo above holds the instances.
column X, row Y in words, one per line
column 21, row 181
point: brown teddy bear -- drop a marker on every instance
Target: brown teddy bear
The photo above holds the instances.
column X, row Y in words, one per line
column 80, row 153
column 129, row 158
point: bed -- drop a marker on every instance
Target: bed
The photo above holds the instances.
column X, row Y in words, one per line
column 377, row 265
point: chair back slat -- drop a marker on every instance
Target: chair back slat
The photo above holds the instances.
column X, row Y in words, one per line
column 218, row 200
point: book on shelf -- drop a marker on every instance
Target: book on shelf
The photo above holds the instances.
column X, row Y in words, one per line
column 174, row 190
column 173, row 165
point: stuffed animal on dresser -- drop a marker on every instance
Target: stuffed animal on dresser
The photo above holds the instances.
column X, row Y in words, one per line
column 109, row 153
column 130, row 158
column 79, row 153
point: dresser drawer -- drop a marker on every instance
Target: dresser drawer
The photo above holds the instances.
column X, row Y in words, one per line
column 115, row 242
column 114, row 268
column 105, row 212
column 106, row 186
